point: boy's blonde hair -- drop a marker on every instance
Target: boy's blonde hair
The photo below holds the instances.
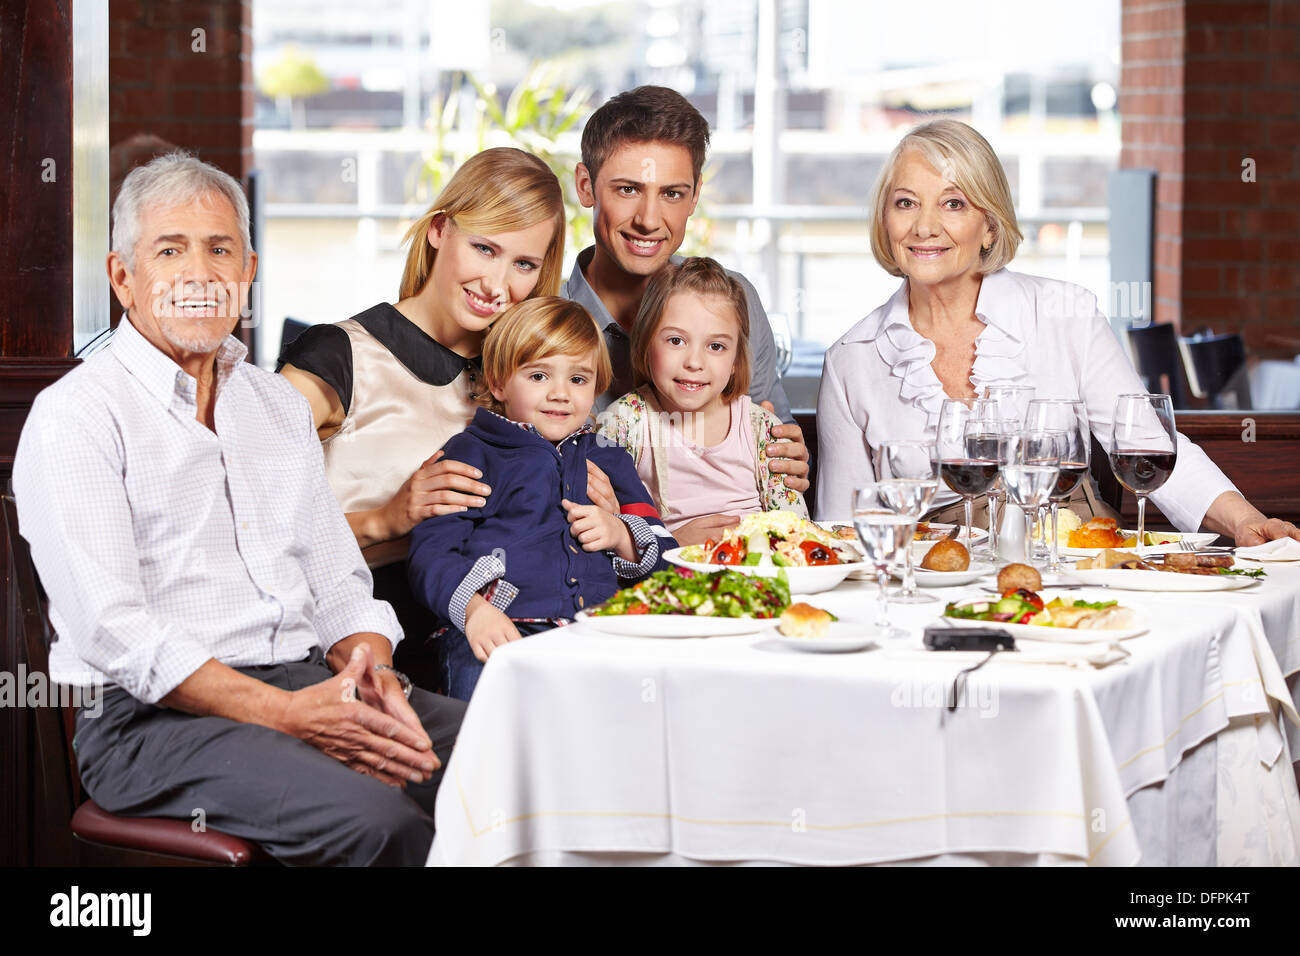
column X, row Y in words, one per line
column 535, row 329
column 502, row 189
column 703, row 276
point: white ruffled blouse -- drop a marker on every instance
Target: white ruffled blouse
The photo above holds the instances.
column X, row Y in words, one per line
column 878, row 384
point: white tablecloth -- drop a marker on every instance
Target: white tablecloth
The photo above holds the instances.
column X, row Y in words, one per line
column 1275, row 384
column 738, row 749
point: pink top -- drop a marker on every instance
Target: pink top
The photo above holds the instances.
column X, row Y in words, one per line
column 690, row 481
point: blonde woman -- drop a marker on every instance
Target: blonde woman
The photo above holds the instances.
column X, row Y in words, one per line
column 390, row 385
column 943, row 221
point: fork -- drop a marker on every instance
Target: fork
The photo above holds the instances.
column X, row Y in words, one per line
column 1185, row 545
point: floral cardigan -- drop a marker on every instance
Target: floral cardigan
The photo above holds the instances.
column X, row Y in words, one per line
column 623, row 423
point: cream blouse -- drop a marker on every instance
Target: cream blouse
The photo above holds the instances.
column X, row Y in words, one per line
column 403, row 393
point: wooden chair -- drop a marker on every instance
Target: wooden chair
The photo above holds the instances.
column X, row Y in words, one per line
column 59, row 809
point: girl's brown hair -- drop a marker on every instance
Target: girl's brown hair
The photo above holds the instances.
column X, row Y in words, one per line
column 703, row 276
column 538, row 328
column 500, row 190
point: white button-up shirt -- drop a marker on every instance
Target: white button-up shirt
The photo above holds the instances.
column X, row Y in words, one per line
column 878, row 384
column 163, row 544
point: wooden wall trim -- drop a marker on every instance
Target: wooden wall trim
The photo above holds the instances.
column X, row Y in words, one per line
column 21, row 380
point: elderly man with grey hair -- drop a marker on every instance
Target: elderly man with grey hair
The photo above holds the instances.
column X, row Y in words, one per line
column 198, row 565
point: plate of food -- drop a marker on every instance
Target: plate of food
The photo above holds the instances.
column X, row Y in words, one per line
column 686, row 603
column 776, row 543
column 1089, row 539
column 807, row 628
column 925, row 531
column 1173, row 571
column 1072, row 618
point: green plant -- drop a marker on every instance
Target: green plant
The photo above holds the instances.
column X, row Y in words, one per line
column 538, row 112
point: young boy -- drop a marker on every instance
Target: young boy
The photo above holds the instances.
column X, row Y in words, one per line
column 538, row 548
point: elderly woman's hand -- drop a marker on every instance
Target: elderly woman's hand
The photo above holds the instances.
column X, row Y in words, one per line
column 1265, row 529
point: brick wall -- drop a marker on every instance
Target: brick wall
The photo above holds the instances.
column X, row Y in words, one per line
column 172, row 86
column 1206, row 86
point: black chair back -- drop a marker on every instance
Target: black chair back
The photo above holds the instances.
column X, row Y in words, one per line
column 1215, row 365
column 1158, row 361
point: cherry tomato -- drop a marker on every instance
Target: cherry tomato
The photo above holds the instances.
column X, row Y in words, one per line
column 1026, row 595
column 728, row 554
column 637, row 608
column 818, row 554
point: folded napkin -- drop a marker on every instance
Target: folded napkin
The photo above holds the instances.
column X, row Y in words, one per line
column 1281, row 549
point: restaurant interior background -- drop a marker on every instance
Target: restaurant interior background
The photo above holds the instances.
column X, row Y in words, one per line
column 1150, row 147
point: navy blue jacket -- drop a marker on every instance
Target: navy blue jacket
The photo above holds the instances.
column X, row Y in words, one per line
column 524, row 526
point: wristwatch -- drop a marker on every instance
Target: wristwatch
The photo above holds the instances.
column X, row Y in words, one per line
column 401, row 678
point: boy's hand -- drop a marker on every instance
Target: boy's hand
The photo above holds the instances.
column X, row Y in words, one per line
column 487, row 628
column 598, row 530
column 599, row 489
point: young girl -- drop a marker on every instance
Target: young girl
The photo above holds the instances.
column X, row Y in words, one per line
column 536, row 552
column 699, row 444
column 390, row 385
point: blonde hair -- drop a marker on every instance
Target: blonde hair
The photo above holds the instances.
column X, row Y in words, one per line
column 502, row 189
column 964, row 158
column 703, row 276
column 538, row 328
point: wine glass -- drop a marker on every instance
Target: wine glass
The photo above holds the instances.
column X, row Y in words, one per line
column 783, row 338
column 1030, row 473
column 884, row 533
column 990, row 438
column 1011, row 401
column 968, row 463
column 912, row 470
column 1144, row 448
column 1069, row 416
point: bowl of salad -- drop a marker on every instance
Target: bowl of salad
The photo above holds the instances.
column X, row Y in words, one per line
column 777, row 542
column 685, row 603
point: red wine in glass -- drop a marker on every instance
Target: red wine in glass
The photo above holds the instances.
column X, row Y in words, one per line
column 969, row 477
column 1072, row 473
column 1142, row 471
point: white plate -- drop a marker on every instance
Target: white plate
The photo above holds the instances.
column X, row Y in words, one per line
column 675, row 625
column 841, row 637
column 1056, row 635
column 1198, row 539
column 951, row 579
column 802, row 580
column 1138, row 580
column 979, row 533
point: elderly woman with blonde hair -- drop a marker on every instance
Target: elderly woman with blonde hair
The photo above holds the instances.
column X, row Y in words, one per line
column 943, row 221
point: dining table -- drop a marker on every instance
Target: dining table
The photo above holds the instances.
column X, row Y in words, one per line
column 1171, row 747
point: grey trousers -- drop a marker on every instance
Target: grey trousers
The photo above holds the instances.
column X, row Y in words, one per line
column 301, row 806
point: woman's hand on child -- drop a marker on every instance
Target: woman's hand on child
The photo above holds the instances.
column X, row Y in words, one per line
column 599, row 489
column 598, row 530
column 438, row 487
column 787, row 455
column 487, row 628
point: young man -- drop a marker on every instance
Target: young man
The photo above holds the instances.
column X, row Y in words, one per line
column 197, row 564
column 642, row 155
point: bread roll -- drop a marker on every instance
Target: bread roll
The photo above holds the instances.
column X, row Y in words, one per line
column 1019, row 576
column 804, row 620
column 946, row 555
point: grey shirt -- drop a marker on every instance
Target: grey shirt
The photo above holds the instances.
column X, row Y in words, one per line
column 764, row 385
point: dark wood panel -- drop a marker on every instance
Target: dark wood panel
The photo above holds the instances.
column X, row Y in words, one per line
column 21, row 379
column 36, row 142
column 1258, row 451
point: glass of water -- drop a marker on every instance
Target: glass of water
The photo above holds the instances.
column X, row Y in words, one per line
column 885, row 535
column 1030, row 469
column 910, row 479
